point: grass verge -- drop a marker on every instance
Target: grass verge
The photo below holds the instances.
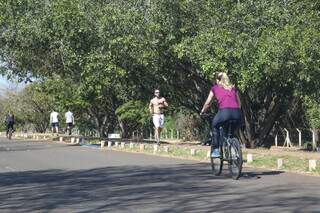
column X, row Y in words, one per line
column 260, row 160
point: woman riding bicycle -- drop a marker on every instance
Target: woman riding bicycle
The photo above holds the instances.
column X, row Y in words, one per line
column 228, row 104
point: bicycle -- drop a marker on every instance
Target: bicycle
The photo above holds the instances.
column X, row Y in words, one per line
column 230, row 150
column 10, row 131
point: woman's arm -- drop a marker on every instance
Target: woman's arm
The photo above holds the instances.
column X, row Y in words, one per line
column 208, row 102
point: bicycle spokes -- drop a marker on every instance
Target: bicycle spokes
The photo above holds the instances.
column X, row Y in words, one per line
column 235, row 162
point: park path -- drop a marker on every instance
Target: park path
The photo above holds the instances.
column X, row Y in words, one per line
column 53, row 177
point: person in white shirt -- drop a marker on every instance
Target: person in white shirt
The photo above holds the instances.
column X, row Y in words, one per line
column 54, row 121
column 69, row 121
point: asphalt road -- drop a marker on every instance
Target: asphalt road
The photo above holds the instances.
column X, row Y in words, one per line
column 52, row 177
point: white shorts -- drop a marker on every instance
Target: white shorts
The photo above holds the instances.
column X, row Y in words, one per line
column 158, row 120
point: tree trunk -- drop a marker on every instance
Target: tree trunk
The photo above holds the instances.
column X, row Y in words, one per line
column 248, row 135
column 103, row 126
column 125, row 133
column 255, row 134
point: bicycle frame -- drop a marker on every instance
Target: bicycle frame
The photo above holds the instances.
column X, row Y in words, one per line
column 224, row 143
column 229, row 147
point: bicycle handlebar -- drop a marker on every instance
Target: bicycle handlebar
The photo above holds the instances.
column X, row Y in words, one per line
column 207, row 115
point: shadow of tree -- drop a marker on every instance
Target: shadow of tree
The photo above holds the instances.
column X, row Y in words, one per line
column 165, row 188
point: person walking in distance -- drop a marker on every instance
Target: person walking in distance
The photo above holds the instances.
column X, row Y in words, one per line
column 156, row 107
column 69, row 121
column 54, row 122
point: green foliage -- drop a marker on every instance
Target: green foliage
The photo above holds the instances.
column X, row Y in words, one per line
column 170, row 122
column 30, row 106
column 189, row 125
column 102, row 54
column 133, row 115
column 270, row 48
column 135, row 112
column 312, row 106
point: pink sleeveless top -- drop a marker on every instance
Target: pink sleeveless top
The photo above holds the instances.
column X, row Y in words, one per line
column 226, row 98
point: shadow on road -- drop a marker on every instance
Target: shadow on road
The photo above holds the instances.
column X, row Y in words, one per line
column 248, row 175
column 171, row 188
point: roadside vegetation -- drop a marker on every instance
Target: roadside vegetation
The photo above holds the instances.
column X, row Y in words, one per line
column 103, row 59
column 261, row 158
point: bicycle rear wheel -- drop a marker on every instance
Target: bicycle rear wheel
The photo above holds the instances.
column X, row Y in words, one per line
column 10, row 134
column 235, row 158
column 216, row 163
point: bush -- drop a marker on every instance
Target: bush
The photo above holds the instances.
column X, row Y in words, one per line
column 313, row 111
column 191, row 126
column 133, row 116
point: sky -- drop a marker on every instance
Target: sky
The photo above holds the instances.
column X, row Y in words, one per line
column 9, row 85
column 5, row 84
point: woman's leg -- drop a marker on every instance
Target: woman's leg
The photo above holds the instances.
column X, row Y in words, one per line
column 218, row 118
column 235, row 114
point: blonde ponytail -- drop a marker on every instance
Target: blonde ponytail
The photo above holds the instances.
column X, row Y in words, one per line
column 224, row 81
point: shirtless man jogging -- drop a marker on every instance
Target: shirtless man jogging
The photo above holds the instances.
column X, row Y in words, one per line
column 156, row 109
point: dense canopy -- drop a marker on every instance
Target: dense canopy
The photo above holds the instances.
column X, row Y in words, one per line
column 94, row 56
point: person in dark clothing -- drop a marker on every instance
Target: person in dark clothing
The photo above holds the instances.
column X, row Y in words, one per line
column 9, row 122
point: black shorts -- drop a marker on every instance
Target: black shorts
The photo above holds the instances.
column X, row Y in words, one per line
column 70, row 125
column 55, row 124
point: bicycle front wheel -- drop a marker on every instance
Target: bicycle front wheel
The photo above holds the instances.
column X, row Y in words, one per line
column 216, row 163
column 235, row 158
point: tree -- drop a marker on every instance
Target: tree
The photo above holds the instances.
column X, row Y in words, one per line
column 133, row 116
column 120, row 50
column 30, row 106
column 313, row 111
column 269, row 48
column 70, row 41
